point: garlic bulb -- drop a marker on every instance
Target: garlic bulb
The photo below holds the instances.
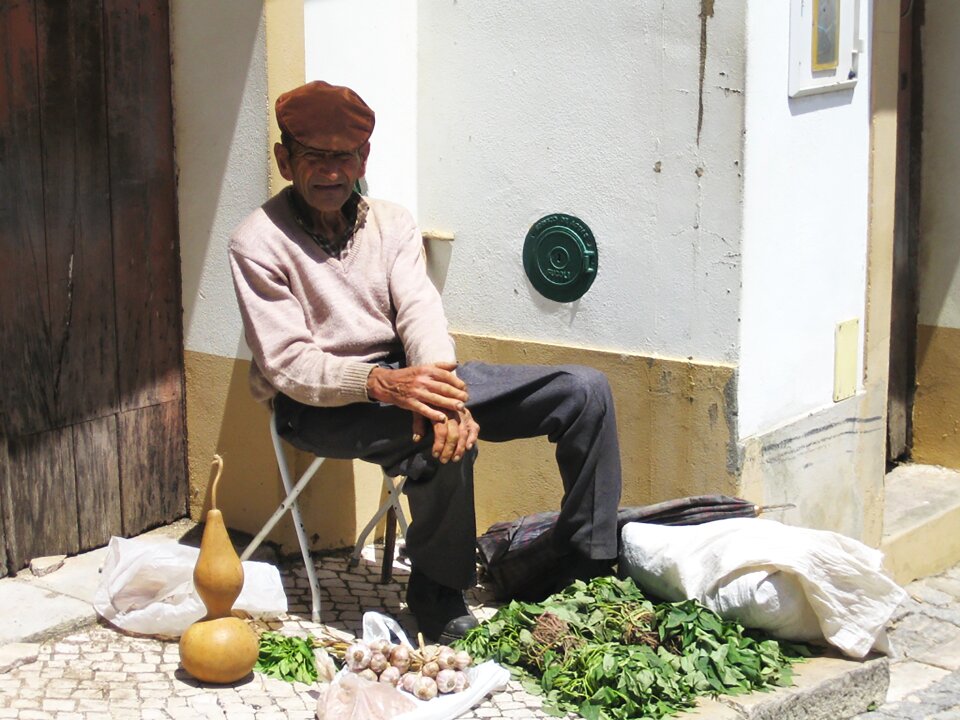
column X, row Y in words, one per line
column 462, row 660
column 425, row 688
column 378, row 663
column 390, row 675
column 400, row 658
column 446, row 658
column 357, row 657
column 447, row 681
column 408, row 681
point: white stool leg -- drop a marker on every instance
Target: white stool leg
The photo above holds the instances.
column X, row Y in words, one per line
column 394, row 490
column 290, row 503
column 308, row 563
column 393, row 499
column 284, row 507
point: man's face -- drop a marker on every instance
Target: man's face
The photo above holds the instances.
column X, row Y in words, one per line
column 323, row 178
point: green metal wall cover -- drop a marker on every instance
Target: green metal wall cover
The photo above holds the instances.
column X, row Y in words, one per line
column 560, row 257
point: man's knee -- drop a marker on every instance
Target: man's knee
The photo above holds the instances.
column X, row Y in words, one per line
column 589, row 384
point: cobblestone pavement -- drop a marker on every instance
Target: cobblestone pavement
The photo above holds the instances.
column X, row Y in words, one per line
column 925, row 674
column 100, row 673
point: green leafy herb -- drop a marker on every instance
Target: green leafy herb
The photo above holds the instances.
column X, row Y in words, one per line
column 287, row 658
column 603, row 650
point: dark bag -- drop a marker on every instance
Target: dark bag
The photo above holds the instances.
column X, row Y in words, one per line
column 520, row 561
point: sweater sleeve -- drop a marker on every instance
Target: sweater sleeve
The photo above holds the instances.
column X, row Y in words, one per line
column 282, row 346
column 420, row 320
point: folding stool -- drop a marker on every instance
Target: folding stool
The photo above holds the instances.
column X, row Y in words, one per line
column 391, row 508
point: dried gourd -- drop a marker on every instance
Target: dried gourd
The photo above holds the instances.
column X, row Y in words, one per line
column 220, row 648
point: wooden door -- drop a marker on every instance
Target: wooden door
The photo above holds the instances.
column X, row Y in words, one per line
column 904, row 307
column 91, row 375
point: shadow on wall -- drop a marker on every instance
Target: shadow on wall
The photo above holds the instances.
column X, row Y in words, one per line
column 215, row 46
column 223, row 418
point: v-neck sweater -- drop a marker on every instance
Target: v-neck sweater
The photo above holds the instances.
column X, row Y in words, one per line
column 317, row 325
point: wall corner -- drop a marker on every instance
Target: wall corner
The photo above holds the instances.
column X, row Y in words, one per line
column 285, row 66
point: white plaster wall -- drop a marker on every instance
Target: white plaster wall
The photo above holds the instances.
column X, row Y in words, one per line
column 220, row 115
column 804, row 228
column 373, row 50
column 940, row 211
column 529, row 108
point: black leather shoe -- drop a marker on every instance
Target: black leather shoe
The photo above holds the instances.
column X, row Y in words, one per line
column 442, row 615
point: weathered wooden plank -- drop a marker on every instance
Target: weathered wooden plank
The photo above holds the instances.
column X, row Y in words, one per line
column 3, row 545
column 98, row 481
column 146, row 242
column 26, row 397
column 42, row 496
column 153, row 474
column 5, row 539
column 76, row 205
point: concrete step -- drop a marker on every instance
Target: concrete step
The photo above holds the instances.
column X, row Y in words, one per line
column 40, row 608
column 921, row 521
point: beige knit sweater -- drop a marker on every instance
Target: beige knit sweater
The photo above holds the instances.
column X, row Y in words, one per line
column 316, row 325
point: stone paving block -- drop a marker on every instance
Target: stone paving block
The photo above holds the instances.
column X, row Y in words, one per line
column 125, row 714
column 919, row 632
column 45, row 565
column 932, row 595
column 944, row 655
column 908, row 678
column 58, row 705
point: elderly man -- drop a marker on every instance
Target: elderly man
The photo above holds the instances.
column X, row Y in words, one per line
column 350, row 346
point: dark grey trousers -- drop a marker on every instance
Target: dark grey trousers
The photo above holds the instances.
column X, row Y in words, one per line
column 570, row 404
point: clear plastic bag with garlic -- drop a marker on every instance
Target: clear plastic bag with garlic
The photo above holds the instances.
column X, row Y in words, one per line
column 417, row 675
column 423, row 672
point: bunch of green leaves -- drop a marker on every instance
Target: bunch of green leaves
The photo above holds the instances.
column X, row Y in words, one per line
column 287, row 658
column 613, row 654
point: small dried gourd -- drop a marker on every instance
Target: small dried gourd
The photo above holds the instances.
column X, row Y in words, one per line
column 220, row 648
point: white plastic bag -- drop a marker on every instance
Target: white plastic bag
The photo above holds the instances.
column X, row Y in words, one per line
column 484, row 679
column 146, row 587
column 795, row 583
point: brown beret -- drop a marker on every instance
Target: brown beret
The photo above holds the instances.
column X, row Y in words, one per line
column 325, row 116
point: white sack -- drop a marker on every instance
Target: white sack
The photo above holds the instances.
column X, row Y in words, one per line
column 484, row 679
column 147, row 588
column 795, row 583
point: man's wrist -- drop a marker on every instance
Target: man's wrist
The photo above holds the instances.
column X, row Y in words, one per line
column 371, row 382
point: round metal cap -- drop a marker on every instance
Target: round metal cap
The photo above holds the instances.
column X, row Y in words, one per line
column 560, row 257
